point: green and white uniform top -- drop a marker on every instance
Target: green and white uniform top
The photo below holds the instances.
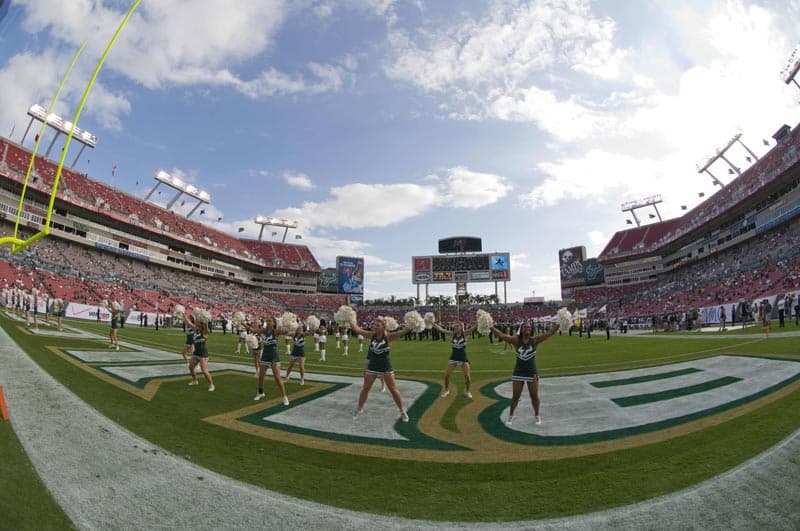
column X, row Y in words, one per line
column 269, row 352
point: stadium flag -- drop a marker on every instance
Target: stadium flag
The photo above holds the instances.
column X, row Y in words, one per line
column 183, row 202
column 113, row 170
column 241, row 229
column 298, row 237
column 701, row 194
column 201, row 212
column 684, row 207
column 652, row 216
column 602, row 309
column 274, row 233
column 629, row 222
column 219, row 218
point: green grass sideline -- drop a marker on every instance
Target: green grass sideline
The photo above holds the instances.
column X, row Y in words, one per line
column 437, row 491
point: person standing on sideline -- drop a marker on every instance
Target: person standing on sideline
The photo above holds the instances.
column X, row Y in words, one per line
column 722, row 319
column 525, row 371
column 270, row 358
column 781, row 312
column 200, row 352
column 298, row 353
column 458, row 355
column 379, row 365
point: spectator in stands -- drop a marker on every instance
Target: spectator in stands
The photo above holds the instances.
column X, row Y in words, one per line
column 379, row 364
column 525, row 371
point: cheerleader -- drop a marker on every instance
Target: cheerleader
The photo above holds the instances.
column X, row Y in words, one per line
column 199, row 352
column 189, row 344
column 458, row 356
column 287, row 341
column 525, row 371
column 242, row 338
column 338, row 338
column 379, row 364
column 323, row 340
column 112, row 335
column 270, row 359
column 345, row 340
column 298, row 353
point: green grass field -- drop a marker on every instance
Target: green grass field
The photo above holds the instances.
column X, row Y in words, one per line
column 492, row 491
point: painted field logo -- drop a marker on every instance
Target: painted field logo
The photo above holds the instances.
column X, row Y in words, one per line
column 583, row 414
column 598, row 407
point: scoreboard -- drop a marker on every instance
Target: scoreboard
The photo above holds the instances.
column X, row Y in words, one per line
column 490, row 267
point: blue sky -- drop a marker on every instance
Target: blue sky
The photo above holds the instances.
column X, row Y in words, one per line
column 381, row 126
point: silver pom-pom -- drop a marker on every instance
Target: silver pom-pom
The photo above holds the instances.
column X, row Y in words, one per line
column 485, row 322
column 345, row 315
column 201, row 315
column 564, row 319
column 312, row 322
column 117, row 306
column 289, row 322
column 104, row 304
column 391, row 323
column 58, row 305
column 430, row 318
column 414, row 321
column 251, row 341
column 179, row 310
column 238, row 319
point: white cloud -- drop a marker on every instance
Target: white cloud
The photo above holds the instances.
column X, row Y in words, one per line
column 298, row 180
column 464, row 188
column 496, row 66
column 361, row 205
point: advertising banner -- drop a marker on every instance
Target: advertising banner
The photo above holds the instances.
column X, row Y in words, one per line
column 351, row 274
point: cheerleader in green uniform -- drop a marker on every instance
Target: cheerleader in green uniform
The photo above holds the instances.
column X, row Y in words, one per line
column 378, row 363
column 525, row 371
column 200, row 353
column 270, row 359
column 458, row 356
column 298, row 353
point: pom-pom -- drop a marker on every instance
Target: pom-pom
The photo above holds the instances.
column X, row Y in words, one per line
column 201, row 315
column 117, row 306
column 251, row 341
column 564, row 319
column 391, row 323
column 430, row 318
column 312, row 322
column 180, row 309
column 289, row 322
column 345, row 315
column 104, row 304
column 238, row 319
column 485, row 322
column 58, row 305
column 414, row 321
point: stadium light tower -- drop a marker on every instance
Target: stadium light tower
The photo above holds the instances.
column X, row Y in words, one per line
column 792, row 66
column 163, row 177
column 60, row 125
column 632, row 206
column 720, row 154
column 274, row 222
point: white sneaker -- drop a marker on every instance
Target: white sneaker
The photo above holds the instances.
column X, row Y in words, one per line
column 117, row 347
column 468, row 394
column 302, row 381
column 358, row 413
column 193, row 383
column 258, row 397
column 285, row 400
column 446, row 393
column 211, row 388
column 538, row 419
column 383, row 387
column 404, row 416
column 509, row 421
column 288, row 377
